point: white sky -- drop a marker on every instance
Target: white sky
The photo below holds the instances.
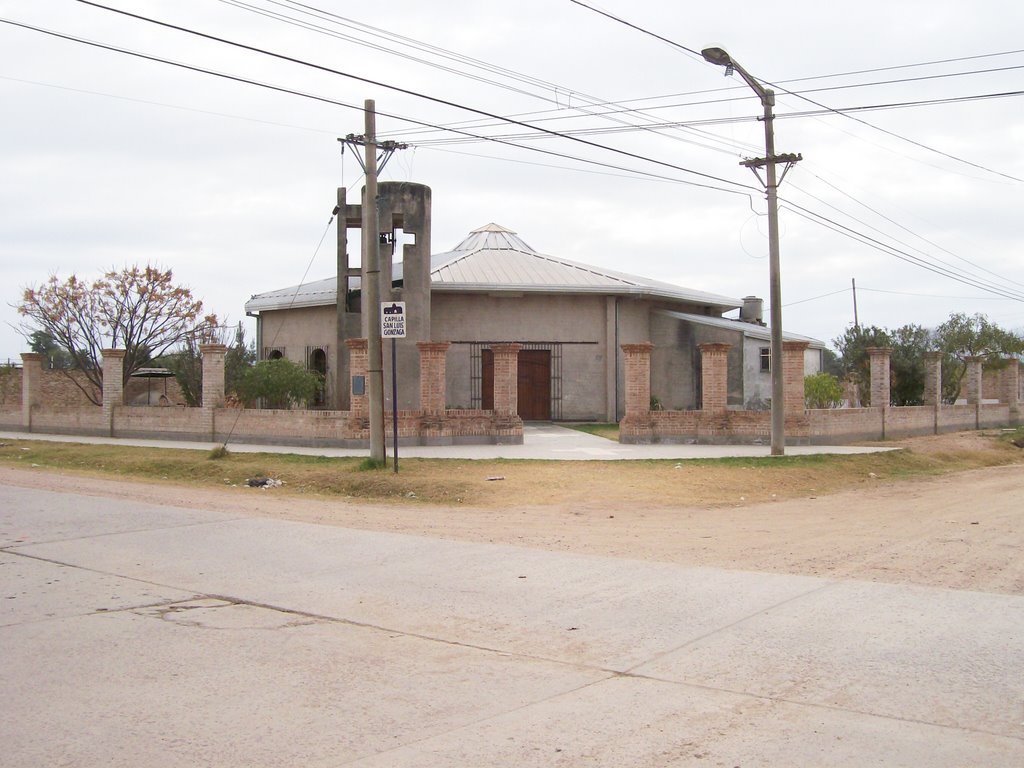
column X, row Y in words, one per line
column 109, row 160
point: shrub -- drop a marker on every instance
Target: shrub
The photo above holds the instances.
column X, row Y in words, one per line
column 279, row 384
column 822, row 390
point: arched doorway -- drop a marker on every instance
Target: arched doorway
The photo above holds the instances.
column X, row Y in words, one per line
column 318, row 364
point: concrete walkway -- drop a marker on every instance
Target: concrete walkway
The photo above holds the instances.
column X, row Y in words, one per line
column 540, row 441
column 140, row 635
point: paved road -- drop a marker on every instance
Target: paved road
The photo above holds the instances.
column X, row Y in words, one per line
column 136, row 634
column 540, row 441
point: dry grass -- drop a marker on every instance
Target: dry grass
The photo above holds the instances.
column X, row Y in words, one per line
column 524, row 483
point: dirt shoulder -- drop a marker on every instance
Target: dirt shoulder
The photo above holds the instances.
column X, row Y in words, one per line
column 963, row 530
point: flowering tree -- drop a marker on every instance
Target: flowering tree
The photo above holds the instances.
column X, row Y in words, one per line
column 139, row 310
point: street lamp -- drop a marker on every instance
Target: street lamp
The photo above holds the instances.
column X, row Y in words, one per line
column 721, row 58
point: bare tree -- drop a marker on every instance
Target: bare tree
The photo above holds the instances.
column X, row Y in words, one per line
column 139, row 310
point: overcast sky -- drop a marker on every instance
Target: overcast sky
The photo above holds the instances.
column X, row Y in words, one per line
column 110, row 159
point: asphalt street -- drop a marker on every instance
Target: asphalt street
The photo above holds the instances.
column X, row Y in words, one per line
column 137, row 634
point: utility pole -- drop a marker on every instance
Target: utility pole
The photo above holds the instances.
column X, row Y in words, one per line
column 856, row 322
column 371, row 288
column 771, row 184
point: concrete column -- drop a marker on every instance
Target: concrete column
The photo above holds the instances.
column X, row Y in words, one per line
column 213, row 374
column 972, row 380
column 113, row 384
column 506, row 379
column 793, row 377
column 637, row 370
column 432, row 373
column 357, row 363
column 932, row 378
column 714, row 377
column 880, row 390
column 31, row 385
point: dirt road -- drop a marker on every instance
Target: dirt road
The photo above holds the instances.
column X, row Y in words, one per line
column 962, row 531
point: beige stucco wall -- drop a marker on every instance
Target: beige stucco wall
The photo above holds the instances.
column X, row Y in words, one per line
column 589, row 328
column 293, row 330
column 675, row 361
column 578, row 323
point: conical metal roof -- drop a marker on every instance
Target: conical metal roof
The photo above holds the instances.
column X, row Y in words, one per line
column 494, row 259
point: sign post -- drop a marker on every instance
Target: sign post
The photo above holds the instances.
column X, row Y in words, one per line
column 392, row 326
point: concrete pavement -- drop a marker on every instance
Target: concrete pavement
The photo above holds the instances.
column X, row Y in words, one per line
column 136, row 634
column 540, row 441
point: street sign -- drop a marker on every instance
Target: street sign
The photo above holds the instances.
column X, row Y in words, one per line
column 392, row 319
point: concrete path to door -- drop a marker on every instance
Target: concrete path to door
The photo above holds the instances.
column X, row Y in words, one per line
column 134, row 634
column 540, row 441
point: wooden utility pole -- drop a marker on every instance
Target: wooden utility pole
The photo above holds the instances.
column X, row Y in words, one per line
column 771, row 184
column 375, row 157
column 856, row 321
column 371, row 291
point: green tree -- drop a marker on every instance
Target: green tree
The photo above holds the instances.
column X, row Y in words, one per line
column 187, row 366
column 278, row 384
column 43, row 343
column 906, row 365
column 822, row 390
column 964, row 336
column 853, row 354
column 831, row 363
column 240, row 357
column 137, row 309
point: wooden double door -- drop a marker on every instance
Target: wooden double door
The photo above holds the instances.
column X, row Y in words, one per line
column 533, row 383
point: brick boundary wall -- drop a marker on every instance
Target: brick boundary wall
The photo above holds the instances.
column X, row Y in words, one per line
column 434, row 424
column 712, row 425
column 441, row 426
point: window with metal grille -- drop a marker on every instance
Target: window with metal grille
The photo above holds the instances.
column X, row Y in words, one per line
column 273, row 353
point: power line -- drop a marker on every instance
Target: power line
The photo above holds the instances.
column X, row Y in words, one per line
column 590, row 102
column 815, row 298
column 878, row 245
column 908, row 230
column 747, row 118
column 933, row 295
column 805, row 98
column 409, row 92
column 326, row 100
column 849, row 231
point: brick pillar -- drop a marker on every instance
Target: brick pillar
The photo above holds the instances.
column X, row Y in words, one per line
column 793, row 377
column 213, row 374
column 932, row 378
column 432, row 373
column 1009, row 382
column 1010, row 386
column 637, row 369
column 506, row 379
column 31, row 385
column 880, row 393
column 714, row 377
column 113, row 384
column 972, row 379
column 213, row 386
column 357, row 365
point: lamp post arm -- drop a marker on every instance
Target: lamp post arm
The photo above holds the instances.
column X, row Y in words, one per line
column 766, row 95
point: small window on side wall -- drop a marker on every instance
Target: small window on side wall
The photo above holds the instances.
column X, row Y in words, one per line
column 766, row 358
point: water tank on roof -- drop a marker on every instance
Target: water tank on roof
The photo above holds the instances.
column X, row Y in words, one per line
column 753, row 310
